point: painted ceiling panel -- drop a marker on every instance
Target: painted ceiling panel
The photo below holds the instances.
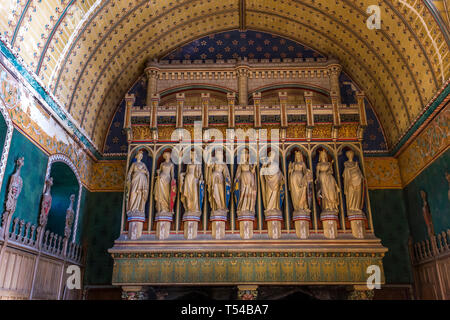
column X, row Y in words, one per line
column 235, row 44
column 90, row 52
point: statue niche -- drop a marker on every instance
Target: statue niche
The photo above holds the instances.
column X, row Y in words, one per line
column 327, row 195
column 354, row 194
column 300, row 187
column 218, row 181
column 272, row 190
column 165, row 193
column 191, row 192
column 137, row 189
column 245, row 194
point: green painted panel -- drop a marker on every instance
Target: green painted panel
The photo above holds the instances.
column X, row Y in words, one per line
column 33, row 176
column 3, row 130
column 432, row 180
column 65, row 183
column 391, row 226
column 103, row 212
column 82, row 214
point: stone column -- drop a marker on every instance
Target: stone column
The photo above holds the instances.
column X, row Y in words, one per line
column 152, row 72
column 231, row 96
column 361, row 292
column 154, row 115
column 243, row 72
column 129, row 101
column 336, row 115
column 134, row 293
column 362, row 114
column 247, row 292
column 283, row 109
column 334, row 71
column 309, row 114
column 180, row 106
column 205, row 107
column 257, row 109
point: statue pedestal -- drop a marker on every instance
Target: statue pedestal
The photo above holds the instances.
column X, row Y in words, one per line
column 301, row 220
column 302, row 229
column 329, row 220
column 330, row 229
column 135, row 229
column 246, row 229
column 358, row 228
column 274, row 229
column 218, row 230
column 190, row 229
column 162, row 229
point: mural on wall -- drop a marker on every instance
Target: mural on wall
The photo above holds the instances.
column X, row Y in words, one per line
column 426, row 147
column 431, row 216
column 382, row 173
column 32, row 120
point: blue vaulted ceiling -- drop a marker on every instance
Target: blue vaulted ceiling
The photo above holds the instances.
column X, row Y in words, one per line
column 239, row 44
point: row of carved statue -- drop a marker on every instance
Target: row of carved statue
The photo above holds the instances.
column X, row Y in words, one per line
column 219, row 188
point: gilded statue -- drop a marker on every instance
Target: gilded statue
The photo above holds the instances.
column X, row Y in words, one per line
column 300, row 179
column 272, row 186
column 245, row 187
column 191, row 185
column 165, row 187
column 327, row 188
column 137, row 187
column 218, row 181
column 353, row 185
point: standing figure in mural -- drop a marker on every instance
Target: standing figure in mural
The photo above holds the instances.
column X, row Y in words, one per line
column 218, row 181
column 447, row 176
column 327, row 188
column 272, row 185
column 137, row 188
column 14, row 189
column 300, row 179
column 46, row 203
column 427, row 214
column 70, row 215
column 165, row 187
column 245, row 187
column 353, row 185
column 190, row 184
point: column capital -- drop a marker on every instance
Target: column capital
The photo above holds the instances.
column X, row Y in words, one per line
column 130, row 98
column 134, row 293
column 155, row 97
column 361, row 292
column 334, row 69
column 247, row 292
column 256, row 95
column 242, row 71
column 282, row 95
column 180, row 97
column 231, row 96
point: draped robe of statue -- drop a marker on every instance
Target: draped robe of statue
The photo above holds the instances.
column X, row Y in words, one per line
column 190, row 193
column 138, row 180
column 272, row 181
column 299, row 179
column 245, row 177
column 217, row 180
column 353, row 186
column 328, row 189
column 163, row 188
